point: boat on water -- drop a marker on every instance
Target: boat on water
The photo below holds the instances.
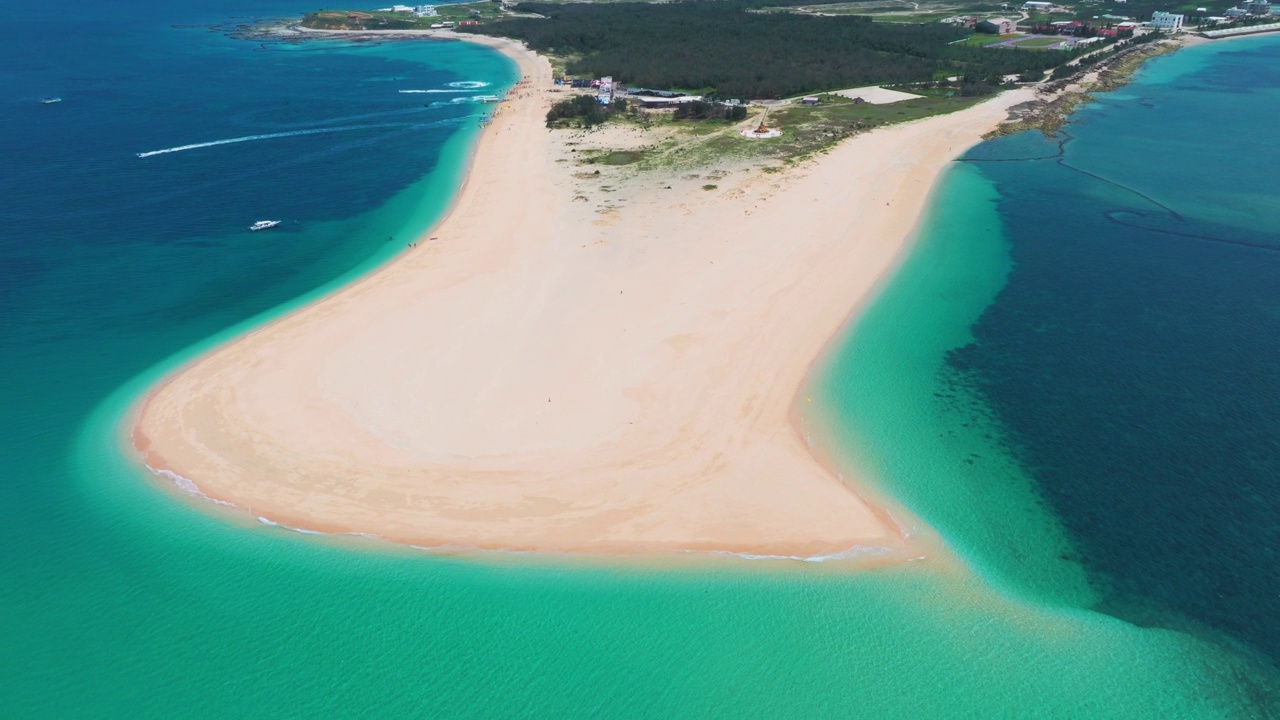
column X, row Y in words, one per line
column 51, row 100
column 263, row 225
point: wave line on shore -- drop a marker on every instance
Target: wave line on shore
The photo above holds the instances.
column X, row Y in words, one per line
column 185, row 484
column 857, row 552
column 188, row 485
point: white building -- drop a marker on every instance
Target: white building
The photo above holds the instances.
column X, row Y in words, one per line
column 995, row 26
column 652, row 102
column 604, row 91
column 1168, row 22
column 1033, row 5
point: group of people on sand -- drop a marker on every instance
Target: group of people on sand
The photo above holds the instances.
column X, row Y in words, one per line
column 413, row 244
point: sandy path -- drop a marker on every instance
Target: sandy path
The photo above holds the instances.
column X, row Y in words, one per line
column 551, row 375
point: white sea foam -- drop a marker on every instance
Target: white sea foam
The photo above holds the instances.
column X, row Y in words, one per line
column 183, row 483
column 857, row 551
column 462, row 86
column 187, row 485
column 476, row 99
column 267, row 136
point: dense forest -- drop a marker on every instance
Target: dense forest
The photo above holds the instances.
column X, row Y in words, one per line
column 723, row 46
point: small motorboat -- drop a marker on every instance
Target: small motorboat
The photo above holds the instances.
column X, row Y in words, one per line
column 51, row 100
column 263, row 225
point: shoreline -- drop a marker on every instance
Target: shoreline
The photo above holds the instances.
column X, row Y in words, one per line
column 176, row 418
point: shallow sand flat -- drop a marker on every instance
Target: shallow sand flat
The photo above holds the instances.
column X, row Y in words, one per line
column 570, row 369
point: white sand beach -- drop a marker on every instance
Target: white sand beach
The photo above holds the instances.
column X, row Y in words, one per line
column 563, row 367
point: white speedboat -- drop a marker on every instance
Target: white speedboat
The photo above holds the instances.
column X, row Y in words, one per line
column 51, row 100
column 264, row 225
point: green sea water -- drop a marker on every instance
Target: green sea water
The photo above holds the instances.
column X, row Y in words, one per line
column 122, row 596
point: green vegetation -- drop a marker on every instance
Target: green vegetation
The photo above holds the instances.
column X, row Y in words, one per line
column 980, row 40
column 703, row 110
column 1042, row 18
column 618, row 157
column 806, row 130
column 915, row 18
column 1105, row 56
column 1041, row 42
column 1142, row 10
column 468, row 11
column 741, row 53
column 710, row 187
column 582, row 111
column 378, row 20
column 901, row 11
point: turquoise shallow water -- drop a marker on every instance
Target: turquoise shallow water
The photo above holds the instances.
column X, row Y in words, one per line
column 1082, row 346
column 125, row 598
column 1132, row 354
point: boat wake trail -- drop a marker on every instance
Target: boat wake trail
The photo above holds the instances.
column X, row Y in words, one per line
column 462, row 86
column 267, row 136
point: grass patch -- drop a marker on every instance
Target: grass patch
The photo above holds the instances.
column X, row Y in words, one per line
column 808, row 129
column 805, row 131
column 617, row 157
column 1041, row 18
column 380, row 20
column 923, row 17
column 710, row 187
column 984, row 39
column 1041, row 42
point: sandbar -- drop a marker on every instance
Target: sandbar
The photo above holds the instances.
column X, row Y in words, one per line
column 572, row 365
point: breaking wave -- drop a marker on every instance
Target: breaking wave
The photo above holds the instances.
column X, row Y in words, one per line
column 187, row 485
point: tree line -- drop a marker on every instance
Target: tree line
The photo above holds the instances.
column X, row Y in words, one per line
column 584, row 111
column 722, row 46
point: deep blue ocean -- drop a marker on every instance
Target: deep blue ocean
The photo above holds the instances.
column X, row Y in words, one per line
column 1088, row 339
column 1133, row 356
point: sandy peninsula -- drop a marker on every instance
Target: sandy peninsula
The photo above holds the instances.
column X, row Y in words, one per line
column 568, row 364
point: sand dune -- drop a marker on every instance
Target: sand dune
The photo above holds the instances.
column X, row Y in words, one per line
column 611, row 374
